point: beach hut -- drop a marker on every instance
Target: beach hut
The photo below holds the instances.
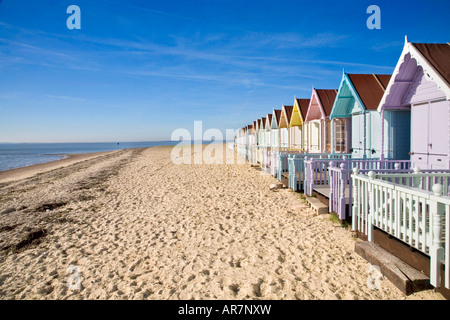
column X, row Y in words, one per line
column 296, row 125
column 248, row 140
column 275, row 132
column 262, row 129
column 318, row 124
column 355, row 123
column 253, row 144
column 420, row 87
column 268, row 128
column 285, row 119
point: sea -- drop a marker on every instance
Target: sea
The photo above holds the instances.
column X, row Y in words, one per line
column 17, row 155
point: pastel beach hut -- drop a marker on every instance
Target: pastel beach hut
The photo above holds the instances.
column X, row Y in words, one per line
column 253, row 144
column 268, row 128
column 419, row 218
column 249, row 141
column 285, row 119
column 419, row 89
column 258, row 140
column 355, row 123
column 261, row 140
column 262, row 131
column 296, row 125
column 275, row 131
column 318, row 124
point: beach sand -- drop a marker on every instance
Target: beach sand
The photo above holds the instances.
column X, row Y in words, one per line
column 133, row 225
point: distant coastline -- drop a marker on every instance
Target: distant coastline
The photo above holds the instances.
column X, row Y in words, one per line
column 20, row 155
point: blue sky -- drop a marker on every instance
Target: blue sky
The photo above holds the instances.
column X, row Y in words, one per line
column 137, row 70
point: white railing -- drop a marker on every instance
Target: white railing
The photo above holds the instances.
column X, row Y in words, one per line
column 417, row 217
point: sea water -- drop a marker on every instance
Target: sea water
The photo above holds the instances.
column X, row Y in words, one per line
column 16, row 155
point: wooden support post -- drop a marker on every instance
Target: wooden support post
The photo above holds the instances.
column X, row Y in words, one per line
column 436, row 250
column 305, row 187
column 332, row 191
column 343, row 182
column 355, row 208
column 417, row 180
column 371, row 175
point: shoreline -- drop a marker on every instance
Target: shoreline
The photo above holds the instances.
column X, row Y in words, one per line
column 31, row 170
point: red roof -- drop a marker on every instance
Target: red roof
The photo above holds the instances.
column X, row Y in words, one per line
column 288, row 112
column 303, row 104
column 269, row 118
column 370, row 88
column 278, row 116
column 327, row 97
column 438, row 55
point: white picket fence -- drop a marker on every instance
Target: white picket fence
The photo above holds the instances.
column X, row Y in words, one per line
column 416, row 216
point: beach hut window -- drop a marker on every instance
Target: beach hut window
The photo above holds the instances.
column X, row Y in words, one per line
column 328, row 135
column 340, row 135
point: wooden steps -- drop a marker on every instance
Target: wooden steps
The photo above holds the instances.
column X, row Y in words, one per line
column 317, row 205
column 402, row 275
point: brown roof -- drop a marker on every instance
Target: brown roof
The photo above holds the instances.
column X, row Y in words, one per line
column 288, row 110
column 303, row 104
column 263, row 122
column 327, row 97
column 370, row 88
column 438, row 55
column 269, row 116
column 278, row 116
column 384, row 79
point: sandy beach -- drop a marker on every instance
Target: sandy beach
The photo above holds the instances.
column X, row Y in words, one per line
column 133, row 225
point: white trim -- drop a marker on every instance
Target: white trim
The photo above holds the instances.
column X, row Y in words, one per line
column 428, row 70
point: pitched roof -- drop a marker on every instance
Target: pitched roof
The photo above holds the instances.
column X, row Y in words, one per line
column 288, row 111
column 278, row 116
column 303, row 104
column 269, row 119
column 263, row 122
column 438, row 55
column 384, row 79
column 370, row 88
column 327, row 97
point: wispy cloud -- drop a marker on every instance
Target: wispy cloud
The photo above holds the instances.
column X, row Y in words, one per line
column 146, row 9
column 61, row 97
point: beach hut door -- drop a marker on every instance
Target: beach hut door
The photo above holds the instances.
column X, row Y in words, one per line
column 429, row 135
column 358, row 136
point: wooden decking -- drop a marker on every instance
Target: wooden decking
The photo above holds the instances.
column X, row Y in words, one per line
column 325, row 191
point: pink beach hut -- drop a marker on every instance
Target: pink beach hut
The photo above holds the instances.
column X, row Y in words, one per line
column 420, row 85
column 318, row 124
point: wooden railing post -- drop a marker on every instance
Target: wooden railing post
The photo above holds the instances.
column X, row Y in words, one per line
column 355, row 209
column 371, row 214
column 436, row 251
column 311, row 172
column 331, row 199
column 306, row 177
column 343, row 183
column 291, row 169
column 417, row 180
